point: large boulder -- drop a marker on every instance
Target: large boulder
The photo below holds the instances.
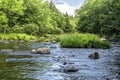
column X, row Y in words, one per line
column 7, row 51
column 41, row 51
column 94, row 55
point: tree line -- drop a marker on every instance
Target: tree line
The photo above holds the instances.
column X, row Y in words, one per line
column 33, row 17
column 100, row 17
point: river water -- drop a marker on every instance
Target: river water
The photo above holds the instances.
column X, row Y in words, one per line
column 23, row 65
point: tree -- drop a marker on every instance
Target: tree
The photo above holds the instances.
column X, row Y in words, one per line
column 100, row 17
column 3, row 22
column 13, row 9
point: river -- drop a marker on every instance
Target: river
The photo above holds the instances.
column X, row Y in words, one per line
column 23, row 65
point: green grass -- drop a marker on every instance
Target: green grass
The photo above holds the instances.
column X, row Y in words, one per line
column 16, row 37
column 49, row 38
column 73, row 40
column 77, row 40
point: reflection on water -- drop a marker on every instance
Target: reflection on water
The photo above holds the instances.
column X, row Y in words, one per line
column 22, row 65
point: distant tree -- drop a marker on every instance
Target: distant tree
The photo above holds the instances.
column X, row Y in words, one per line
column 100, row 17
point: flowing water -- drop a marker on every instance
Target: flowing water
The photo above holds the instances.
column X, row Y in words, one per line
column 23, row 65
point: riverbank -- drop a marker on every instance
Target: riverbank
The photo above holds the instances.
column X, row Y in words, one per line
column 16, row 37
column 72, row 40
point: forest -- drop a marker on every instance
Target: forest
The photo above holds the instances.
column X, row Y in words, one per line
column 33, row 17
column 100, row 17
column 38, row 42
column 38, row 18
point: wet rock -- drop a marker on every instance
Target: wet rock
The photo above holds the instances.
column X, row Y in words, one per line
column 53, row 47
column 64, row 63
column 5, row 42
column 41, row 51
column 103, row 39
column 70, row 69
column 94, row 55
column 47, row 43
column 67, row 62
column 7, row 51
column 34, row 51
column 53, row 42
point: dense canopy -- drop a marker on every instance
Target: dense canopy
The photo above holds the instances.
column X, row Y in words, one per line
column 33, row 17
column 100, row 17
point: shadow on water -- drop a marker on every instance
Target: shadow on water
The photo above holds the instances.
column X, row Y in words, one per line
column 22, row 65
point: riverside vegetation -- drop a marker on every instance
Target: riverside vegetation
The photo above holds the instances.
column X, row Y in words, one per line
column 26, row 19
column 83, row 41
column 16, row 37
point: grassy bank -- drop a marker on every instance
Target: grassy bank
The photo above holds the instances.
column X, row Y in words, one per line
column 50, row 38
column 77, row 40
column 73, row 40
column 16, row 37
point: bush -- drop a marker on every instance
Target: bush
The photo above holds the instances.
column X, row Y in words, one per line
column 54, row 30
column 31, row 29
column 17, row 37
column 76, row 40
column 17, row 29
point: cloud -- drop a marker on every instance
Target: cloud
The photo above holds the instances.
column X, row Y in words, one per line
column 65, row 8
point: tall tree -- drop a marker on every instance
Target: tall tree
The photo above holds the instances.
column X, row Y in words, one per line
column 100, row 16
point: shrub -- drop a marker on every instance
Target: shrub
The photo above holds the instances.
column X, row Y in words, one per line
column 18, row 37
column 76, row 40
column 17, row 29
column 31, row 29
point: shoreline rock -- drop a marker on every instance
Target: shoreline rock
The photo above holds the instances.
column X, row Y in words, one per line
column 41, row 51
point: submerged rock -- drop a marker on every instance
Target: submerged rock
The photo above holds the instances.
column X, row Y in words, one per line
column 70, row 69
column 94, row 55
column 41, row 51
column 53, row 47
column 47, row 43
column 7, row 51
column 53, row 42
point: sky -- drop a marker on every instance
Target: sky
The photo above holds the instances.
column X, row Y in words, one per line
column 68, row 6
column 74, row 3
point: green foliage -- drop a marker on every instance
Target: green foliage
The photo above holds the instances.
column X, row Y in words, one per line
column 77, row 40
column 70, row 25
column 3, row 22
column 17, row 37
column 50, row 38
column 17, row 29
column 100, row 17
column 33, row 17
column 30, row 29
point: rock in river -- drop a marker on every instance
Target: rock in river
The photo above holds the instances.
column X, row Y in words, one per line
column 41, row 51
column 94, row 55
column 70, row 69
column 34, row 51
